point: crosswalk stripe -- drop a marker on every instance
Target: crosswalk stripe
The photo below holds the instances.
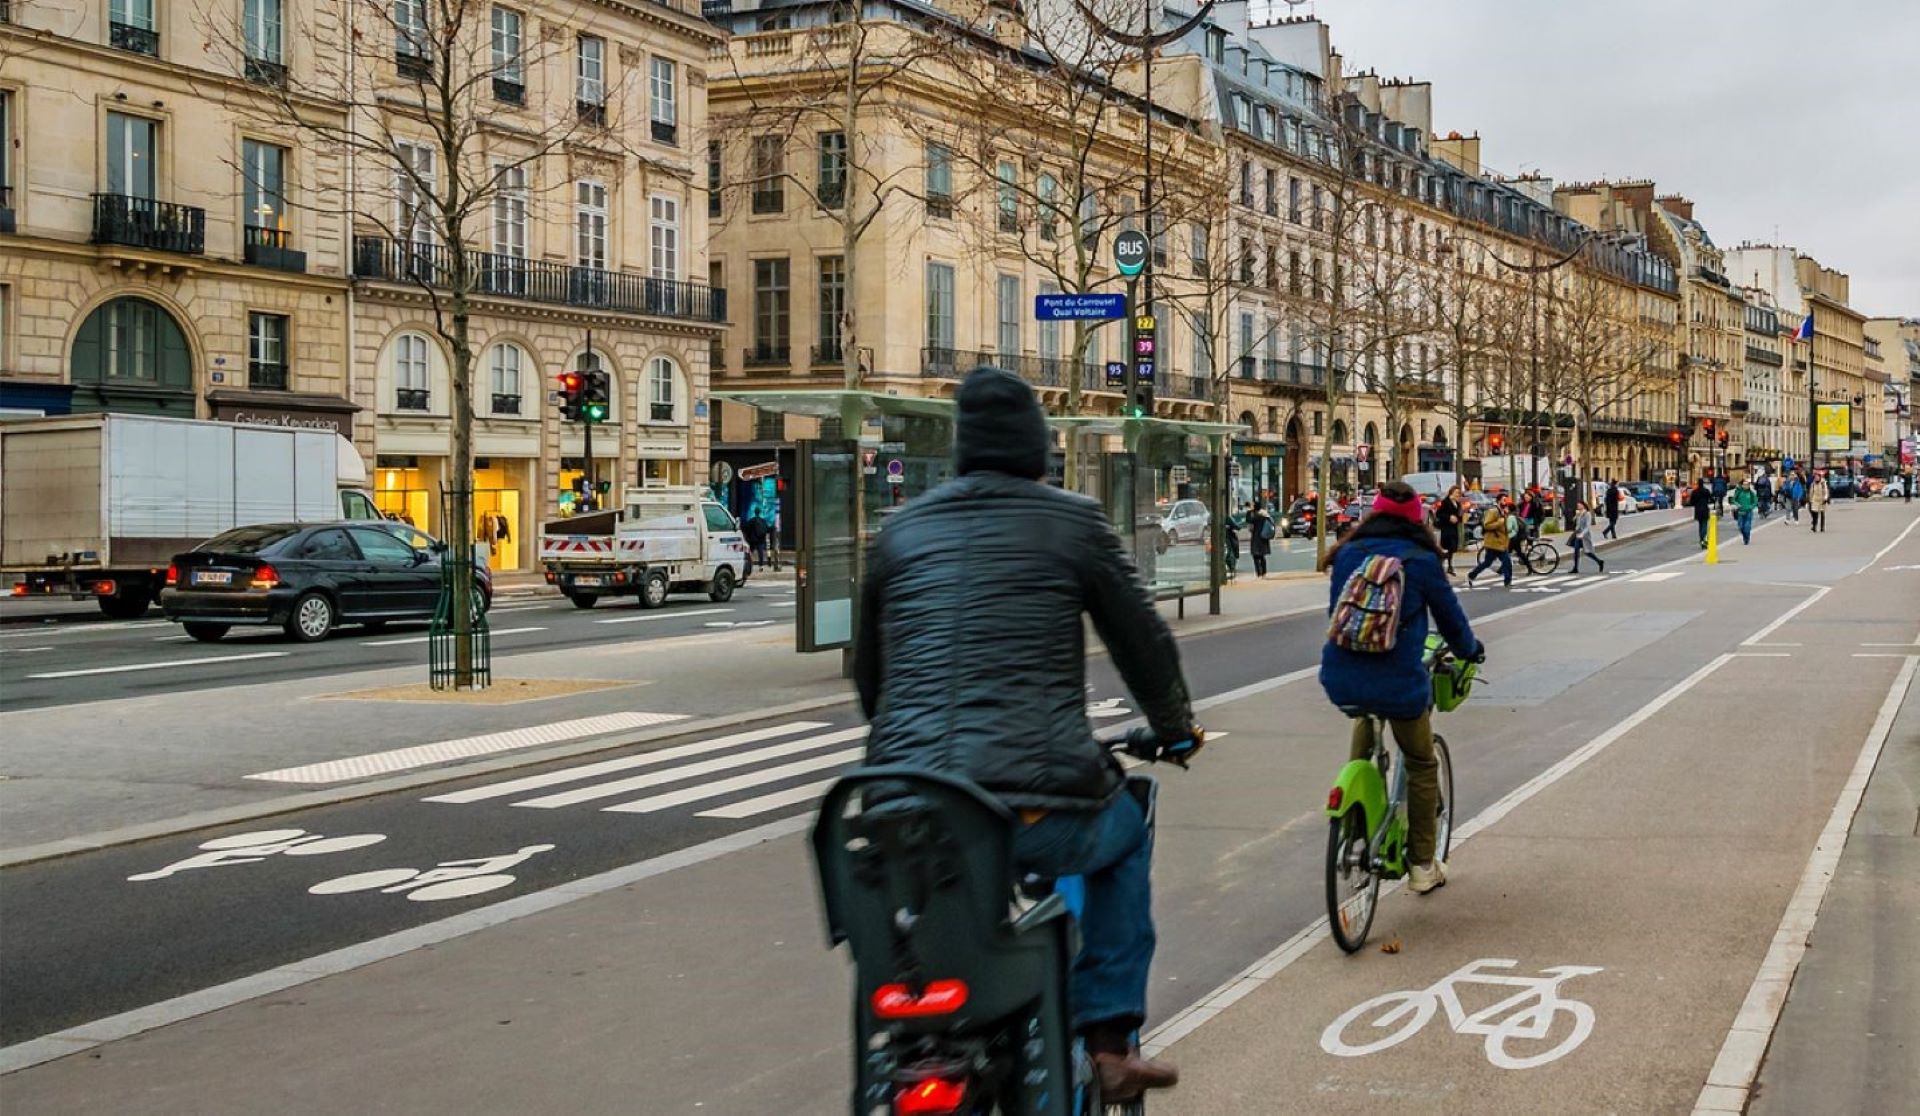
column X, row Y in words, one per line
column 1589, row 580
column 691, row 770
column 739, row 782
column 446, row 751
column 748, row 807
column 624, row 763
column 1662, row 575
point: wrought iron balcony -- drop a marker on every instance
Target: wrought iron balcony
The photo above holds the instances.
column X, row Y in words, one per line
column 767, row 354
column 415, row 64
column 828, row 354
column 667, row 132
column 267, row 375
column 146, row 223
column 592, row 112
column 505, row 404
column 710, row 9
column 410, row 399
column 260, row 71
column 509, row 91
column 399, row 261
column 939, row 362
column 272, row 248
column 137, row 40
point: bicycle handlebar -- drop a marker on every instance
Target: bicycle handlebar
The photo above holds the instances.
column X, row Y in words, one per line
column 1143, row 743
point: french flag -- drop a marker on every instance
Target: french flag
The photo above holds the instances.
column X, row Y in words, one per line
column 1805, row 333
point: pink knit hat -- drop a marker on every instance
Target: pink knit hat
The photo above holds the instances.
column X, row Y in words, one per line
column 1408, row 509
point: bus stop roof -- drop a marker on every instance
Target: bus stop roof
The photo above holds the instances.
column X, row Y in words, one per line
column 830, row 402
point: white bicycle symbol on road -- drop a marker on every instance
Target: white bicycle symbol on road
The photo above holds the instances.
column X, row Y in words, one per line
column 1407, row 1011
column 452, row 879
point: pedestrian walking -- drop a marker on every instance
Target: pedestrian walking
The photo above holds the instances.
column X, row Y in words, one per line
column 1796, row 495
column 1498, row 526
column 1612, row 503
column 1582, row 540
column 1906, row 486
column 1744, row 501
column 1234, row 525
column 1817, row 498
column 1448, row 517
column 1259, row 537
column 1719, row 494
column 1701, row 501
column 756, row 531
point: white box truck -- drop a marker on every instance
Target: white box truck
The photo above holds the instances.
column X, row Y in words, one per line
column 97, row 505
column 665, row 540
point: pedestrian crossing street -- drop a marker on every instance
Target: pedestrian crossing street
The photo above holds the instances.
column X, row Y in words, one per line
column 1556, row 583
column 732, row 776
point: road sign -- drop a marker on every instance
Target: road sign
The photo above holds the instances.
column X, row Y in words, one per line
column 1116, row 373
column 755, row 472
column 1143, row 371
column 1079, row 307
column 1130, row 252
column 1145, row 323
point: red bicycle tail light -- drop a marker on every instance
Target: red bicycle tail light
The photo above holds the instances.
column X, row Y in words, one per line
column 266, row 577
column 936, row 1096
column 173, row 574
column 897, row 1001
column 1335, row 797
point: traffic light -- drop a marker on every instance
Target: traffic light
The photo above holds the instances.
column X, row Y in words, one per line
column 1707, row 424
column 1675, row 437
column 1496, row 441
column 596, row 396
column 1141, row 405
column 1723, row 439
column 572, row 388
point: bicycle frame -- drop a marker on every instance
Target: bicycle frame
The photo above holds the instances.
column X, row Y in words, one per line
column 1361, row 783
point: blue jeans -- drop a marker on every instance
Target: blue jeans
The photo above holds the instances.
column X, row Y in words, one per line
column 1112, row 850
column 1488, row 557
column 1745, row 520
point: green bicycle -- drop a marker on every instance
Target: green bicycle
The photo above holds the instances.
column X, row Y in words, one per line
column 1367, row 815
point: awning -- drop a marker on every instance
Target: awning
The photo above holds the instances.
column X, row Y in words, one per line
column 832, row 403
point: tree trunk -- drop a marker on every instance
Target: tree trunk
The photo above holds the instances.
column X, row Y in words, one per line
column 460, row 507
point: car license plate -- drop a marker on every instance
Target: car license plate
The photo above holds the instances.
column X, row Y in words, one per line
column 588, row 579
column 212, row 577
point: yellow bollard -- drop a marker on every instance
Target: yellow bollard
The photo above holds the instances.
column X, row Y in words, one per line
column 1713, row 541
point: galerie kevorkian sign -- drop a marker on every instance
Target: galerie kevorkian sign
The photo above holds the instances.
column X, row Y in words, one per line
column 1833, row 427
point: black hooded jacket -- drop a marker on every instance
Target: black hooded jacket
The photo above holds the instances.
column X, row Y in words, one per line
column 971, row 656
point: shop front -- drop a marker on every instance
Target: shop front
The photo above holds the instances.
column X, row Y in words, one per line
column 576, row 494
column 1257, row 471
column 406, row 487
column 289, row 410
column 661, row 459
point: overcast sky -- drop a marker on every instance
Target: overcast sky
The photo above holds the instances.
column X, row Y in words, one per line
column 1792, row 123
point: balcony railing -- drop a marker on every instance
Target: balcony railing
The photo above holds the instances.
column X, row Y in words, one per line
column 272, row 248
column 828, row 355
column 666, row 131
column 413, row 64
column 1009, row 221
column 767, row 354
column 940, row 205
column 138, row 40
column 260, row 71
column 410, row 399
column 940, row 362
column 509, row 91
column 265, row 375
column 710, row 9
column 146, row 223
column 1188, row 387
column 592, row 112
column 505, row 404
column 399, row 261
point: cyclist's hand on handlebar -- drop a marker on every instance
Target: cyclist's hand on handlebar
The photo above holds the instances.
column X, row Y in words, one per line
column 1145, row 744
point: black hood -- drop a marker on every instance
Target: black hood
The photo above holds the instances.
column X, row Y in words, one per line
column 1000, row 427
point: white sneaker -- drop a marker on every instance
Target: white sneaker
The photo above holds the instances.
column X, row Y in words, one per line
column 1423, row 878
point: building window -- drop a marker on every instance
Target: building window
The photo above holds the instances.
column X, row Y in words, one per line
column 1049, row 330
column 1273, row 192
column 133, row 27
column 590, row 79
column 833, row 304
column 940, row 306
column 664, row 111
column 260, row 30
column 510, row 211
column 1157, row 237
column 133, row 146
column 772, row 297
column 1202, row 353
column 413, row 189
column 1293, row 273
column 769, row 174
column 1293, row 199
column 410, row 372
column 265, row 169
column 1246, row 262
column 267, row 352
column 412, row 49
column 1049, row 190
column 1009, row 317
column 1007, row 197
column 1197, row 254
column 663, row 236
column 506, row 366
column 831, row 189
column 939, row 181
column 1246, row 183
column 590, row 223
column 660, row 395
column 132, row 340
column 713, row 178
column 509, row 76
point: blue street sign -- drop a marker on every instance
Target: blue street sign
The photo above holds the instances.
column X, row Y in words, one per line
column 1116, row 373
column 1079, row 307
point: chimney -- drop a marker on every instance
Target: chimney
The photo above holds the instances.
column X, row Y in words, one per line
column 1677, row 205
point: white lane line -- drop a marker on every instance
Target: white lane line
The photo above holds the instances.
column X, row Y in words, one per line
column 445, row 751
column 662, row 615
column 1664, row 575
column 160, row 666
column 404, row 640
column 739, row 782
column 1878, row 655
column 99, row 1032
column 41, row 631
column 784, row 604
column 496, row 610
column 1897, row 540
column 1789, row 614
column 22, row 650
column 624, row 763
column 767, row 803
column 1190, row 1019
column 692, row 770
column 1730, row 1081
column 1589, row 580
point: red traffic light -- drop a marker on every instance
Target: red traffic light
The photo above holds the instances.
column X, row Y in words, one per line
column 571, row 382
column 1708, row 423
column 1496, row 439
column 1674, row 436
column 1723, row 437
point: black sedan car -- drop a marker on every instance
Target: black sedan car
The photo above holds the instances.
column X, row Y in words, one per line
column 307, row 578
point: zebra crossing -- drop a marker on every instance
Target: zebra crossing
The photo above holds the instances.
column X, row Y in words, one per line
column 733, row 776
column 1559, row 583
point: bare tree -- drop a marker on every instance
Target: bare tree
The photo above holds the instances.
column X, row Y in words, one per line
column 1599, row 361
column 1473, row 314
column 405, row 94
column 1388, row 293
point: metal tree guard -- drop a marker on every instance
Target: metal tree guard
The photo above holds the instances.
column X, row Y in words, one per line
column 445, row 670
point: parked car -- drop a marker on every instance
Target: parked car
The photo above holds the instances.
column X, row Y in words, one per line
column 1182, row 521
column 307, row 578
column 1649, row 495
column 1841, row 486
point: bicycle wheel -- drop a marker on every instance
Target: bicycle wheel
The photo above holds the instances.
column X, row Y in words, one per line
column 1544, row 557
column 1443, row 832
column 1353, row 887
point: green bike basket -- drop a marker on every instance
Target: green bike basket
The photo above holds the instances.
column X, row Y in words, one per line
column 1451, row 684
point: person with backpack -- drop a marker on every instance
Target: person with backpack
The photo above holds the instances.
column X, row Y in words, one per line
column 1259, row 537
column 1386, row 581
column 1744, row 501
column 1499, row 527
column 1796, row 494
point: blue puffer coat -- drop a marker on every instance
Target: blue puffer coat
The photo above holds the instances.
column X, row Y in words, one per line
column 1394, row 685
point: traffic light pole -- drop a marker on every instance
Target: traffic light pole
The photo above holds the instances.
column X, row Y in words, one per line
column 593, row 489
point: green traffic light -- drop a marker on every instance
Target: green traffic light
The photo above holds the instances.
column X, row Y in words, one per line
column 596, row 412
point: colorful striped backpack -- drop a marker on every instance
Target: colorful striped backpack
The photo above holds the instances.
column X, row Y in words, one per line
column 1367, row 616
